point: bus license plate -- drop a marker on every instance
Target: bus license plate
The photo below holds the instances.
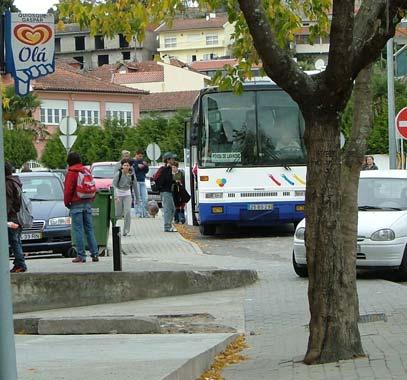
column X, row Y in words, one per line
column 260, row 206
column 31, row 236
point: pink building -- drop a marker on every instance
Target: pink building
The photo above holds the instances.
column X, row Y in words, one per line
column 69, row 92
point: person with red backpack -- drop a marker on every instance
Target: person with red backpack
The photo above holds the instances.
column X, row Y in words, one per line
column 79, row 192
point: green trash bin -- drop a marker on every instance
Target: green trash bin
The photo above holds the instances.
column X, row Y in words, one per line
column 102, row 214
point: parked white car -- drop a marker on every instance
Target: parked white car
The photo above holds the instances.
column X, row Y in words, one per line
column 382, row 223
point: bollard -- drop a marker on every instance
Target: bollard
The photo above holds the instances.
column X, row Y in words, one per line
column 117, row 257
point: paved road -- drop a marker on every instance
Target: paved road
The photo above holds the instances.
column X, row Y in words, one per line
column 276, row 315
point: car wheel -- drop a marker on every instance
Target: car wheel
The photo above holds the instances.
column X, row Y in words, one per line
column 207, row 229
column 71, row 252
column 300, row 270
column 403, row 265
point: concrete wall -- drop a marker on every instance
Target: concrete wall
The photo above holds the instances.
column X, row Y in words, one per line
column 42, row 291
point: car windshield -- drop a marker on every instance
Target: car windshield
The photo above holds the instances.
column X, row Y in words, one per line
column 103, row 171
column 382, row 194
column 42, row 188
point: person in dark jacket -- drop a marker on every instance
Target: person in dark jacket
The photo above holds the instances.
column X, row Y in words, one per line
column 80, row 211
column 179, row 188
column 141, row 168
column 369, row 164
column 13, row 200
column 166, row 182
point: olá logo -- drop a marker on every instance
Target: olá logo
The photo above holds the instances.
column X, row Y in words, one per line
column 33, row 35
column 221, row 182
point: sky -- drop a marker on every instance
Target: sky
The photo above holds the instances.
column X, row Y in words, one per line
column 34, row 6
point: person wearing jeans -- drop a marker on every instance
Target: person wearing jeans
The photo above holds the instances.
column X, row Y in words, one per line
column 13, row 200
column 165, row 184
column 124, row 181
column 141, row 168
column 81, row 219
column 80, row 211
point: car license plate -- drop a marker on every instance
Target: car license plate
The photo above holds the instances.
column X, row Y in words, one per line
column 260, row 206
column 31, row 236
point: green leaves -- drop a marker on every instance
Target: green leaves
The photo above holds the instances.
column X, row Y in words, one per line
column 19, row 146
column 54, row 154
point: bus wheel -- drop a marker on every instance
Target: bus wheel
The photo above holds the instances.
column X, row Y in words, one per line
column 207, row 229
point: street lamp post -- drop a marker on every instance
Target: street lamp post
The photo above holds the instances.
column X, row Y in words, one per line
column 391, row 107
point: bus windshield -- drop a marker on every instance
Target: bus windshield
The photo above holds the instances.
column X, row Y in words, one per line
column 256, row 128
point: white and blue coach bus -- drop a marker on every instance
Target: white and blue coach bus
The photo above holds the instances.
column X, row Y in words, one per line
column 245, row 158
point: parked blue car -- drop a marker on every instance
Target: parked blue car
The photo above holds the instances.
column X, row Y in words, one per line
column 51, row 230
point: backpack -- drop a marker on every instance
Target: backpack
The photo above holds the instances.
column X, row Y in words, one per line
column 85, row 186
column 24, row 216
column 155, row 180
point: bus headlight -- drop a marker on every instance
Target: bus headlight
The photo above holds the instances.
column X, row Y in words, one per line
column 217, row 210
column 213, row 195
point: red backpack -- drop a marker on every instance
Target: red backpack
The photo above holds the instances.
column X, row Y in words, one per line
column 85, row 186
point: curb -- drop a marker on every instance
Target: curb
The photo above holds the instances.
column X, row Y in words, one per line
column 194, row 367
column 87, row 325
column 44, row 291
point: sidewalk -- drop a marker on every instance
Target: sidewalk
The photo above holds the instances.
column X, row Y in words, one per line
column 276, row 313
column 140, row 357
column 273, row 312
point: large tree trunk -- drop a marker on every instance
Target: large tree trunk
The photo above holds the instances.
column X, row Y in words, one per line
column 332, row 186
column 332, row 292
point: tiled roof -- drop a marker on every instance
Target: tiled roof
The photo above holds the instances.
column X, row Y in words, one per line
column 194, row 23
column 167, row 101
column 75, row 28
column 64, row 79
column 138, row 77
column 213, row 64
column 107, row 72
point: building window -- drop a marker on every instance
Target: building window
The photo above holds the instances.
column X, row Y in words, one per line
column 87, row 117
column 80, row 60
column 194, row 38
column 52, row 115
column 103, row 59
column 170, row 42
column 99, row 43
column 301, row 39
column 79, row 43
column 193, row 58
column 126, row 55
column 208, row 57
column 211, row 39
column 122, row 116
column 57, row 45
column 122, row 41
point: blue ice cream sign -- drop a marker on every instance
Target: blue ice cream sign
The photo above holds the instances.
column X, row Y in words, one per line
column 30, row 47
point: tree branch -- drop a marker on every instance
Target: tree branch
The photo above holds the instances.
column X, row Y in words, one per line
column 372, row 30
column 276, row 61
column 340, row 50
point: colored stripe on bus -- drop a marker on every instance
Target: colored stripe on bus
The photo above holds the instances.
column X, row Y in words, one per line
column 299, row 179
column 274, row 179
column 288, row 180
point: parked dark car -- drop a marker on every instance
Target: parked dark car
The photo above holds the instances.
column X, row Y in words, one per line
column 51, row 230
